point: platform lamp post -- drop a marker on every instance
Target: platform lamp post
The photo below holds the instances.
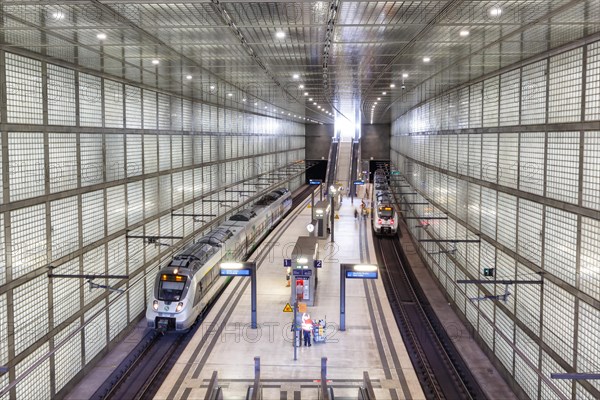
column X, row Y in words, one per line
column 332, row 193
column 353, row 271
column 243, row 269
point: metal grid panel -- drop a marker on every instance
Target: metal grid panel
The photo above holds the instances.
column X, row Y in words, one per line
column 62, row 151
column 26, row 165
column 560, row 246
column 186, row 115
column 491, row 89
column 68, row 358
column 475, row 156
column 117, row 315
column 588, row 351
column 92, row 215
column 30, row 309
column 525, row 376
column 509, row 97
column 507, row 223
column 92, row 158
column 150, row 154
column 61, row 95
column 133, row 107
column 37, row 384
column 135, row 203
column 90, row 100
column 94, row 333
column 150, row 109
column 115, row 202
column 115, row 157
column 592, row 83
column 28, row 240
column 531, row 164
column 564, row 386
column 474, row 213
column 589, row 274
column 508, row 159
column 565, row 82
column 530, row 231
column 64, row 228
column 134, row 155
column 591, row 170
column 562, row 166
column 558, row 316
column 113, row 104
column 24, row 103
column 94, row 263
column 533, row 93
column 176, row 151
column 503, row 349
column 476, row 105
column 176, row 114
column 488, row 212
column 164, row 112
column 66, row 292
column 489, row 158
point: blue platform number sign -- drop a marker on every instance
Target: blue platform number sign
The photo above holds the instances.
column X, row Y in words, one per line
column 359, row 182
column 287, row 262
column 318, row 263
column 314, row 181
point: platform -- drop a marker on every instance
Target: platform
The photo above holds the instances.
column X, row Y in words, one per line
column 371, row 341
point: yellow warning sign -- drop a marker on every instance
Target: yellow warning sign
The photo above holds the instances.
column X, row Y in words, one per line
column 337, row 216
column 308, row 206
column 288, row 308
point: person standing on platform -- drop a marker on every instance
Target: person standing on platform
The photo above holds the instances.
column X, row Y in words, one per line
column 307, row 327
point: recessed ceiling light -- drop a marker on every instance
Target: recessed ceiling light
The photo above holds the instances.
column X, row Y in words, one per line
column 280, row 34
column 464, row 33
column 384, row 93
column 379, row 98
column 300, row 86
column 101, row 36
column 319, row 107
column 188, row 77
column 229, row 94
column 392, row 85
column 306, row 93
column 495, row 11
column 405, row 75
column 155, row 62
column 288, row 113
column 244, row 100
column 282, row 112
column 426, row 59
column 310, row 99
column 255, row 104
column 295, row 76
column 375, row 103
column 212, row 87
column 266, row 107
column 315, row 103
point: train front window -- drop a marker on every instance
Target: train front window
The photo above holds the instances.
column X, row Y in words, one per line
column 386, row 212
column 171, row 287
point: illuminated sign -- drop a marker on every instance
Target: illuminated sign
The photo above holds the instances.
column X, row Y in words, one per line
column 234, row 272
column 362, row 274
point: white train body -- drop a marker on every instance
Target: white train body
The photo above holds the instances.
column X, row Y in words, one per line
column 384, row 214
column 191, row 280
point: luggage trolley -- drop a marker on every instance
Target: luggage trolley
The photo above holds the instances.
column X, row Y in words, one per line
column 319, row 331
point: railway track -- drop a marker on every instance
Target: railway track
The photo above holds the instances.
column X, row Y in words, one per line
column 441, row 371
column 140, row 375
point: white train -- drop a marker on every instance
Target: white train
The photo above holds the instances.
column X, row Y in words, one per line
column 385, row 217
column 191, row 279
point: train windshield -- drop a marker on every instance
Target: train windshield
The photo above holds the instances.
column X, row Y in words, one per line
column 170, row 287
column 386, row 212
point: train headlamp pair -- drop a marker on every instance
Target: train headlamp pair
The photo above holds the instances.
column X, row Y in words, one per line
column 177, row 309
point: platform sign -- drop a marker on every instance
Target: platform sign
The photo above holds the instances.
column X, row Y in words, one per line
column 234, row 272
column 362, row 274
column 359, row 182
column 302, row 307
column 287, row 262
column 317, row 263
column 314, row 181
column 302, row 272
column 288, row 308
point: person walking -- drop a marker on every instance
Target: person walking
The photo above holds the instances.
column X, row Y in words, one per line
column 307, row 327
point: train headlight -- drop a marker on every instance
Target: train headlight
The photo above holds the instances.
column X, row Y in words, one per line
column 155, row 305
column 179, row 307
